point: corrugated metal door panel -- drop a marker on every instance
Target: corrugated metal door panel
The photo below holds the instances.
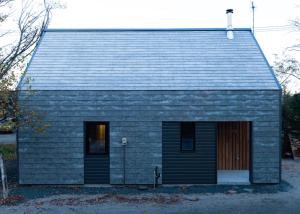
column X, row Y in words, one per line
column 96, row 169
column 198, row 167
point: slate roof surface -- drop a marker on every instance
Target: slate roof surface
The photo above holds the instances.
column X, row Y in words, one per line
column 174, row 59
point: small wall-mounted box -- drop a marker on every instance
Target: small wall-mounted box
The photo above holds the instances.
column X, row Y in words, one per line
column 124, row 141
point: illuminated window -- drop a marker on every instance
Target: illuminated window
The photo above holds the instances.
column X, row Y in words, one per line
column 96, row 137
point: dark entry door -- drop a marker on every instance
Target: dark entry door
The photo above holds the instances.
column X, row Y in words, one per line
column 233, row 145
column 96, row 160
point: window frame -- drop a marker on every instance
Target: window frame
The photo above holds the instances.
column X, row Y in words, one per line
column 86, row 146
column 194, row 138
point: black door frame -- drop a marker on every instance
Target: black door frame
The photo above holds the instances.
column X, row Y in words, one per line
column 107, row 153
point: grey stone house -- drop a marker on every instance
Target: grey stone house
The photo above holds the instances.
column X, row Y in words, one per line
column 196, row 105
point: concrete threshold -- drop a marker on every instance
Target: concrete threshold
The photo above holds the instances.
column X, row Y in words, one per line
column 233, row 177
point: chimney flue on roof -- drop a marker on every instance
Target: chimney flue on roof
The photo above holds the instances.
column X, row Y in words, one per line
column 229, row 28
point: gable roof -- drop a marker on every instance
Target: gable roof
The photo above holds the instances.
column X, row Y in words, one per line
column 149, row 59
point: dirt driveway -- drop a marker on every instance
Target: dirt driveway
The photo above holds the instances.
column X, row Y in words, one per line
column 259, row 199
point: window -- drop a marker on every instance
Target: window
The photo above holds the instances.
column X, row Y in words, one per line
column 96, row 138
column 187, row 136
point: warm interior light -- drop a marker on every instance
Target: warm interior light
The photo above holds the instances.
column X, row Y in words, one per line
column 100, row 133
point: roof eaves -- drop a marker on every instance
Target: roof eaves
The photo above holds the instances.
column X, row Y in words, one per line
column 21, row 82
column 268, row 64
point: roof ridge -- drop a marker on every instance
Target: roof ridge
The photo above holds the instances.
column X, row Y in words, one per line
column 139, row 29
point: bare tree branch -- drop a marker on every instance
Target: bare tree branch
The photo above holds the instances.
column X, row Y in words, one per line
column 31, row 23
column 286, row 68
column 296, row 25
column 4, row 3
column 30, row 26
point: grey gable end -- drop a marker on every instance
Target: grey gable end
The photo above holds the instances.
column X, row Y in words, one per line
column 143, row 84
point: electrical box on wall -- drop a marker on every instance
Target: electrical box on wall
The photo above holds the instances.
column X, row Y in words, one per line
column 124, row 141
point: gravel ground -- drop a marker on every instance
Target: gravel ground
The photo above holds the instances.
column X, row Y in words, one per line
column 283, row 198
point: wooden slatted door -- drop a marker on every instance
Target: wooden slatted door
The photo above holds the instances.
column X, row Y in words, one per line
column 233, row 145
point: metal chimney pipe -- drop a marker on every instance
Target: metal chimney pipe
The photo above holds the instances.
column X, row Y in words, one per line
column 229, row 28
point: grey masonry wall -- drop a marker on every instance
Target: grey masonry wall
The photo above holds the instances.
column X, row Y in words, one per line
column 56, row 157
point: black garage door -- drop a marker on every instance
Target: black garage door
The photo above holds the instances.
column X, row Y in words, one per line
column 189, row 153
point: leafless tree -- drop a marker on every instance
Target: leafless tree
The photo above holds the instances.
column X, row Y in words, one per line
column 31, row 22
column 286, row 68
column 296, row 26
column 30, row 26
